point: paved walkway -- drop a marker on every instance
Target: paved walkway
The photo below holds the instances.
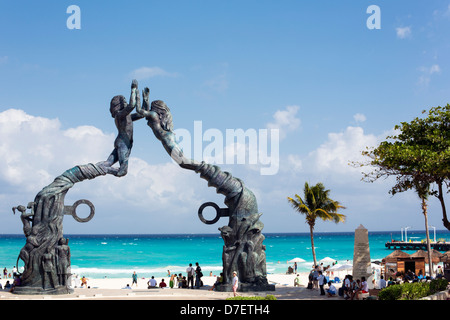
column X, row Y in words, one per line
column 281, row 293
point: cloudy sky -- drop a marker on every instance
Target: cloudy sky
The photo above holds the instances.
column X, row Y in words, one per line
column 313, row 72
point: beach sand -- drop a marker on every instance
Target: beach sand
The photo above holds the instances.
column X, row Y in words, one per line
column 112, row 289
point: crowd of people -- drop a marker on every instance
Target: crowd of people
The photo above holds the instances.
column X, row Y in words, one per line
column 9, row 286
column 351, row 288
column 192, row 279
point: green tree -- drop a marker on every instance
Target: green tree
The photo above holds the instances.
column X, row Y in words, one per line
column 419, row 153
column 316, row 204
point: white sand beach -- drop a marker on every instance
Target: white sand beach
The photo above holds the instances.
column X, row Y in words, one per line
column 113, row 289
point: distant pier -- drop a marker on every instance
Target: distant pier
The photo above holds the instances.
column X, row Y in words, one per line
column 416, row 245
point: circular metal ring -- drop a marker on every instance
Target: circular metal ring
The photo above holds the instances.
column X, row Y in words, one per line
column 209, row 204
column 74, row 210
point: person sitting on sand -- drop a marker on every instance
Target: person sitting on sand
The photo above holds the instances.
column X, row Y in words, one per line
column 331, row 291
column 218, row 281
column 297, row 281
column 184, row 283
column 151, row 283
column 162, row 284
column 127, row 286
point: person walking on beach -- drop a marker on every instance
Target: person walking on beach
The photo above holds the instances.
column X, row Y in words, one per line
column 316, row 277
column 134, row 278
column 235, row 283
column 198, row 276
column 190, row 274
column 321, row 280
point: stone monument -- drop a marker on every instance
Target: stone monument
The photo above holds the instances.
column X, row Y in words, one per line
column 361, row 254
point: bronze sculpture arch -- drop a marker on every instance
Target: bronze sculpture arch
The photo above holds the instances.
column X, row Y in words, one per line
column 46, row 254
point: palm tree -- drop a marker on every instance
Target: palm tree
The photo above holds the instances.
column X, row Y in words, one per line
column 423, row 191
column 317, row 204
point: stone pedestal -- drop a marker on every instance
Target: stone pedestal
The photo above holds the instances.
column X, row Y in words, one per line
column 361, row 254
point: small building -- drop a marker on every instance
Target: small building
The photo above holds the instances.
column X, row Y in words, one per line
column 399, row 261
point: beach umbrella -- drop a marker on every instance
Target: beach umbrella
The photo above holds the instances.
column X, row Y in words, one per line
column 296, row 260
column 375, row 266
column 327, row 260
column 346, row 266
column 335, row 267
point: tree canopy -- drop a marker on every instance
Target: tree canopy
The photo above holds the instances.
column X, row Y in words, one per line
column 419, row 152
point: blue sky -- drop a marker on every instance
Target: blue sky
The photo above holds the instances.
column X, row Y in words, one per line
column 312, row 69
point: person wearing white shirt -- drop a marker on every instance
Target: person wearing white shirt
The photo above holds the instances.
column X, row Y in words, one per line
column 152, row 283
column 235, row 283
column 190, row 275
column 331, row 290
column 347, row 287
column 321, row 280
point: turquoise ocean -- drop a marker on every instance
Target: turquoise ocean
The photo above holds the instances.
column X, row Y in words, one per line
column 117, row 256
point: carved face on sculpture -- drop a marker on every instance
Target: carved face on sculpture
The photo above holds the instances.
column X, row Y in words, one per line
column 117, row 104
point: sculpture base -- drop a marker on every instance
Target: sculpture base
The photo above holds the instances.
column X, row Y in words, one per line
column 41, row 291
column 245, row 287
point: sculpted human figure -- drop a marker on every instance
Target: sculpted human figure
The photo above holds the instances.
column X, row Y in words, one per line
column 159, row 119
column 121, row 112
column 63, row 260
column 49, row 270
column 25, row 217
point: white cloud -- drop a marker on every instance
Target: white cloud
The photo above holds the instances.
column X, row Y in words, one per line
column 335, row 155
column 218, row 84
column 285, row 120
column 359, row 117
column 295, row 162
column 35, row 150
column 426, row 73
column 403, row 32
column 150, row 72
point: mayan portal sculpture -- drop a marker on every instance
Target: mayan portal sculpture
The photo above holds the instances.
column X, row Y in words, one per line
column 46, row 254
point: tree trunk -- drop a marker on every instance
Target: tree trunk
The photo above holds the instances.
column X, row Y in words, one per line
column 440, row 196
column 430, row 261
column 311, row 230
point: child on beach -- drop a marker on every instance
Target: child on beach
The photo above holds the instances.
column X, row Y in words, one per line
column 172, row 280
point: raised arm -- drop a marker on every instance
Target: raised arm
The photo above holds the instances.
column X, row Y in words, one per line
column 128, row 108
column 136, row 116
column 145, row 109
